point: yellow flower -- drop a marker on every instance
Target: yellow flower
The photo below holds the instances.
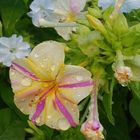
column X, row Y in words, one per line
column 48, row 90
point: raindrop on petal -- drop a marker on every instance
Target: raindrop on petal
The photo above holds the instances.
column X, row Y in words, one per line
column 26, row 82
column 63, row 124
column 79, row 78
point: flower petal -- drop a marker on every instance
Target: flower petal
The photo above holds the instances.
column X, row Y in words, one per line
column 77, row 5
column 64, row 109
column 49, row 56
column 75, row 83
column 106, row 3
column 25, row 89
column 66, row 31
column 130, row 5
column 53, row 113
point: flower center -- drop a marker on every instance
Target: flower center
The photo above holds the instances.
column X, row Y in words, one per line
column 48, row 89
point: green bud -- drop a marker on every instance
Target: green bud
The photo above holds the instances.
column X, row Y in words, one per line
column 132, row 37
column 96, row 24
column 98, row 71
column 95, row 12
column 119, row 25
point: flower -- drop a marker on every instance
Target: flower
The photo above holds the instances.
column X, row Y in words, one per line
column 92, row 127
column 123, row 74
column 48, row 90
column 127, row 7
column 60, row 14
column 11, row 48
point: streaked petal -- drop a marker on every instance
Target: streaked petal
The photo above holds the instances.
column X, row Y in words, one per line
column 25, row 89
column 75, row 83
column 53, row 114
column 68, row 109
column 50, row 114
column 49, row 56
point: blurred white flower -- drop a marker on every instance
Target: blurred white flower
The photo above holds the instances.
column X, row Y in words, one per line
column 60, row 14
column 127, row 7
column 11, row 48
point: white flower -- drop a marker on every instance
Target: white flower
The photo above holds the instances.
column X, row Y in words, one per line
column 127, row 7
column 60, row 14
column 11, row 48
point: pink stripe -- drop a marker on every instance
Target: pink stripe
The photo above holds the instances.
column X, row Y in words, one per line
column 39, row 109
column 76, row 85
column 65, row 112
column 46, row 93
column 24, row 71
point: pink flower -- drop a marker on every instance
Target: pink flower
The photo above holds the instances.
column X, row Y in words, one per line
column 48, row 90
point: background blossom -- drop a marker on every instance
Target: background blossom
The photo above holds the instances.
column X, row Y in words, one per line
column 11, row 48
column 127, row 7
column 60, row 14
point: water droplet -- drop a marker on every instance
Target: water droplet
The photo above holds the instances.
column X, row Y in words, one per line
column 53, row 67
column 38, row 120
column 49, row 116
column 42, row 65
column 36, row 55
column 79, row 78
column 63, row 124
column 23, row 100
column 26, row 82
column 12, row 73
column 36, row 98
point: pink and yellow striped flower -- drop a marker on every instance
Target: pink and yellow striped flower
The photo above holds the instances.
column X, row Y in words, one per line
column 48, row 90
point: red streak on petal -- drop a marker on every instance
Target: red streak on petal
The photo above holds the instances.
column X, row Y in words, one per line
column 39, row 109
column 24, row 71
column 65, row 112
column 78, row 85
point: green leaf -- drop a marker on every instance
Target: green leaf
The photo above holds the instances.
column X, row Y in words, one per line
column 132, row 37
column 11, row 11
column 71, row 134
column 8, row 97
column 134, row 109
column 120, row 25
column 10, row 127
column 107, row 102
column 135, row 86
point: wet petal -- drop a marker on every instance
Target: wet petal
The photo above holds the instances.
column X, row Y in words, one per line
column 68, row 109
column 66, row 31
column 26, row 90
column 75, row 83
column 54, row 113
column 49, row 56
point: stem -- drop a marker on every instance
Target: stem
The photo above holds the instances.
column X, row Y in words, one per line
column 118, row 6
column 120, row 58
